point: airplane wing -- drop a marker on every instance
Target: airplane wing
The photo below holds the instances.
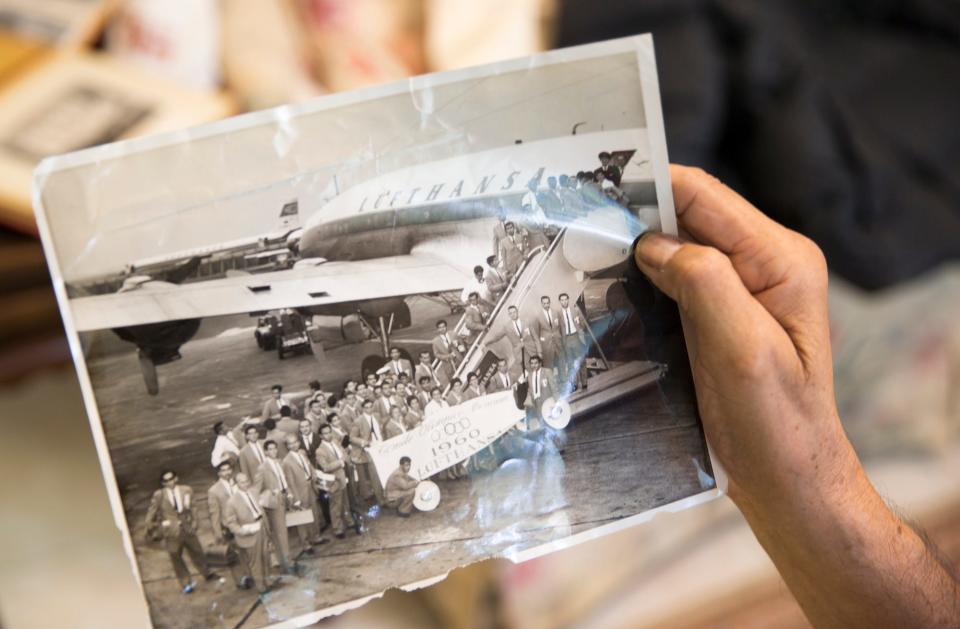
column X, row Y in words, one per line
column 328, row 283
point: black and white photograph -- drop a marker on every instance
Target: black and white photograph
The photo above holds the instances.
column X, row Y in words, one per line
column 340, row 347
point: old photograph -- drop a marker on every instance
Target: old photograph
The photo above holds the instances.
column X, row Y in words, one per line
column 354, row 345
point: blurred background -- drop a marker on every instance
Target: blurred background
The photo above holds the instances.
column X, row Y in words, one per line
column 837, row 118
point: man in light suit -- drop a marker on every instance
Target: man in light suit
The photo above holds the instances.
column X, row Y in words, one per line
column 309, row 440
column 424, row 368
column 316, row 414
column 277, row 436
column 300, row 474
column 455, row 395
column 349, row 409
column 217, row 497
column 573, row 369
column 397, row 364
column 424, row 391
column 474, row 319
column 382, row 403
column 495, row 278
column 394, row 426
column 331, row 459
column 252, row 455
column 522, row 340
column 170, row 518
column 499, row 231
column 274, row 498
column 271, row 408
column 546, row 327
column 511, row 250
column 244, row 517
column 446, row 349
column 366, row 430
column 502, row 380
column 541, row 386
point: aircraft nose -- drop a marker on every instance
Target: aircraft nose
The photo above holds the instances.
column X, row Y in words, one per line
column 601, row 239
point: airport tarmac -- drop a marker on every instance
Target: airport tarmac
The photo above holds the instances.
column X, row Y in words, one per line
column 622, row 460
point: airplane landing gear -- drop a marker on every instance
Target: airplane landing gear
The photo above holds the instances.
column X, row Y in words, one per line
column 149, row 370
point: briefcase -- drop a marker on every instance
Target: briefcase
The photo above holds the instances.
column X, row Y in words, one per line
column 221, row 556
column 299, row 517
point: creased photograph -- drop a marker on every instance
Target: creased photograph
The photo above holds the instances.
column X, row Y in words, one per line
column 354, row 344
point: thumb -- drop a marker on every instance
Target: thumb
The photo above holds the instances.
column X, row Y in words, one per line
column 717, row 309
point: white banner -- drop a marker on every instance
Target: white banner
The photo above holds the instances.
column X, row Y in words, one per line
column 448, row 437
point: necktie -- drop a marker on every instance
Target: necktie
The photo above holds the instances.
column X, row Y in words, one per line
column 506, row 380
column 336, row 451
column 175, row 499
column 536, row 383
column 396, row 367
column 374, row 428
column 231, row 488
column 253, row 505
column 516, row 324
column 569, row 318
column 279, row 472
column 304, row 465
column 549, row 318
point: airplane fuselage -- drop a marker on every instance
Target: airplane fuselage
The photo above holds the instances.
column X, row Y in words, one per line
column 390, row 232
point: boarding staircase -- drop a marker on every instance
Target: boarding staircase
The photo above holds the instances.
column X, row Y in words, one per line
column 545, row 271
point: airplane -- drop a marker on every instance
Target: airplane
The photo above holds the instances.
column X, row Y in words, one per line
column 416, row 230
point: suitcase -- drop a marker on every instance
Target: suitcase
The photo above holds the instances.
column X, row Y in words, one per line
column 299, row 517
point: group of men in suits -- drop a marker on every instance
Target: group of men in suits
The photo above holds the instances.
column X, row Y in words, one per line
column 557, row 336
column 316, row 460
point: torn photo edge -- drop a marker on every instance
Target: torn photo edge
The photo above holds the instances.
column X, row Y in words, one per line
column 641, row 45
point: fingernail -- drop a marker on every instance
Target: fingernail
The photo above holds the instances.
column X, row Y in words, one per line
column 655, row 249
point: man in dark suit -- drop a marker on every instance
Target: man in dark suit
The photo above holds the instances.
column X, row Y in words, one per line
column 252, row 455
column 610, row 170
column 170, row 518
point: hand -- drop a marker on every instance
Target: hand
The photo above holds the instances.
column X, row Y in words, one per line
column 753, row 299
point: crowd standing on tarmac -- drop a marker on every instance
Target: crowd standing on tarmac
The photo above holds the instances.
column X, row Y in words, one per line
column 312, row 460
